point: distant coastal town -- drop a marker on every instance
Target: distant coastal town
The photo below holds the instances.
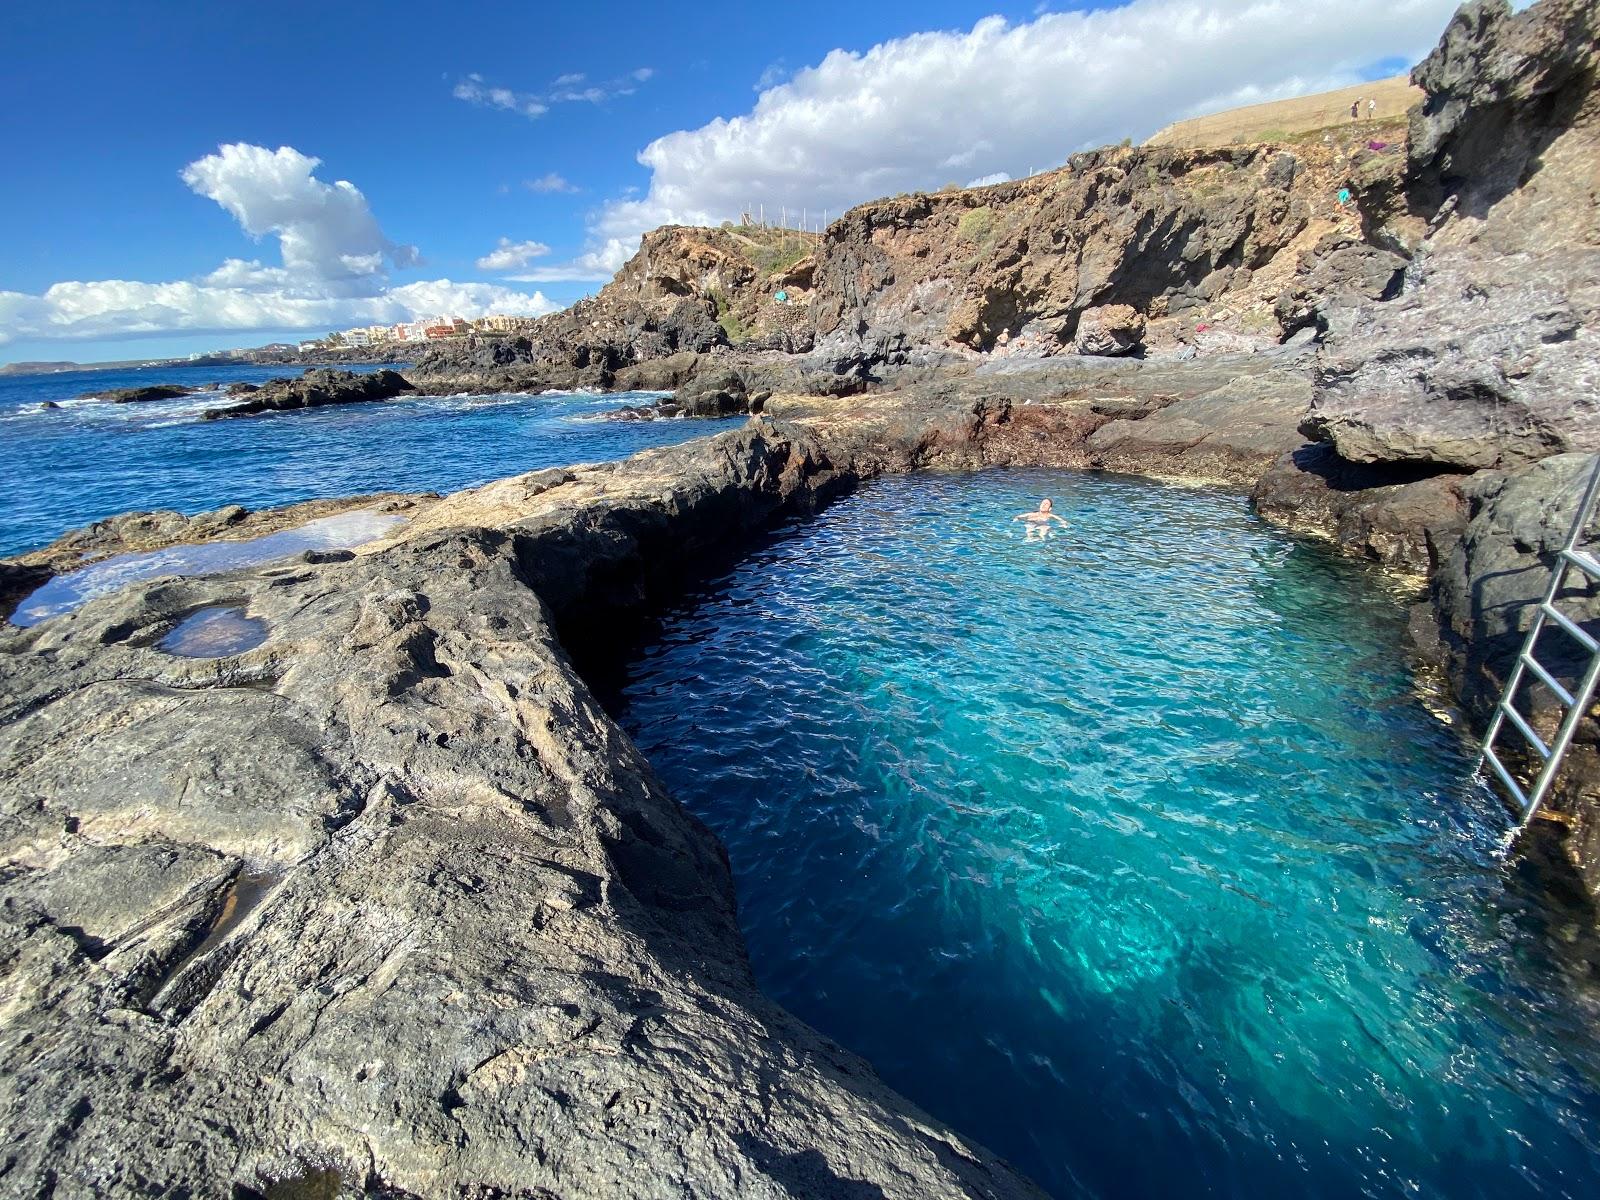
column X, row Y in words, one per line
column 426, row 330
column 386, row 343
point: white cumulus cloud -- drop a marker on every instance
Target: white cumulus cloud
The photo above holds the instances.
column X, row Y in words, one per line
column 508, row 255
column 120, row 308
column 594, row 266
column 324, row 230
column 1002, row 98
column 334, row 270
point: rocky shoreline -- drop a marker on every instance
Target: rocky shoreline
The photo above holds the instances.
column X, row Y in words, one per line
column 387, row 905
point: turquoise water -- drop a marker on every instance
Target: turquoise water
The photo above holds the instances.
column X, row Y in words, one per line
column 89, row 460
column 1132, row 853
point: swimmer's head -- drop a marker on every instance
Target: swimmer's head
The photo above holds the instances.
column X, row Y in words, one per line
column 1045, row 506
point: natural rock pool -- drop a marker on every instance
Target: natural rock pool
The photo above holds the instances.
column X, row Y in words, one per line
column 216, row 631
column 1132, row 853
column 67, row 592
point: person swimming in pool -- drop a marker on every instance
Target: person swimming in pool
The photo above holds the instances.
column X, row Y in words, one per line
column 1038, row 521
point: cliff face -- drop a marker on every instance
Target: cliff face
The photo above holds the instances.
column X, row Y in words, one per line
column 1196, row 250
column 1491, row 355
column 1188, row 238
column 1216, row 249
column 740, row 270
column 685, row 293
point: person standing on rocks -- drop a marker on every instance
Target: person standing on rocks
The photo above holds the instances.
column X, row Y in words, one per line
column 1355, row 109
column 1372, row 110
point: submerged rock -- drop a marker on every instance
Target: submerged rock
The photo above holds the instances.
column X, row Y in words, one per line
column 215, row 632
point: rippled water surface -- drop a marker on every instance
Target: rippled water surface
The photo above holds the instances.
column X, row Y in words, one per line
column 88, row 460
column 1132, row 853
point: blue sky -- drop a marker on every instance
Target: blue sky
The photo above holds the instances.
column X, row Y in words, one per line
column 432, row 113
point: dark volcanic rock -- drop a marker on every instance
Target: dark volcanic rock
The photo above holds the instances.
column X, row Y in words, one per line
column 1230, row 433
column 718, row 394
column 139, row 395
column 1490, row 357
column 1392, row 516
column 1479, row 364
column 18, row 581
column 1487, row 587
column 1337, row 276
column 588, row 345
column 1501, row 91
column 318, row 387
column 1484, row 597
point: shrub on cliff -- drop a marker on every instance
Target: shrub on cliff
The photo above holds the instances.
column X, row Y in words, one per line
column 976, row 224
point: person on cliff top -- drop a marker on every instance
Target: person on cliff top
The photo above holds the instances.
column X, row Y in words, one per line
column 1038, row 521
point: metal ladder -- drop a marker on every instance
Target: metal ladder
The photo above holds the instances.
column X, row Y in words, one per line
column 1569, row 557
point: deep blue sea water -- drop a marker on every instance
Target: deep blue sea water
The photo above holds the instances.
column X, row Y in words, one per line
column 89, row 460
column 1133, row 853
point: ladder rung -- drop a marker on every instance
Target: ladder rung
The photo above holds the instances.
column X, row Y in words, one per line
column 1548, row 679
column 1505, row 776
column 1526, row 730
column 1572, row 628
column 1583, row 560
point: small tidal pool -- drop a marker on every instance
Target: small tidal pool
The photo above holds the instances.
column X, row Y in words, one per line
column 1131, row 853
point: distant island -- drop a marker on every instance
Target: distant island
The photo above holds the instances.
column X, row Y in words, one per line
column 51, row 368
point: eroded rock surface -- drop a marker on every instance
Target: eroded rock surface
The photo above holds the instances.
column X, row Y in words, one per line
column 137, row 532
column 1110, row 330
column 1490, row 357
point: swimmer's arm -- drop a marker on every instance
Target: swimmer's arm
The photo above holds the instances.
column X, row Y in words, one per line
column 1053, row 517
